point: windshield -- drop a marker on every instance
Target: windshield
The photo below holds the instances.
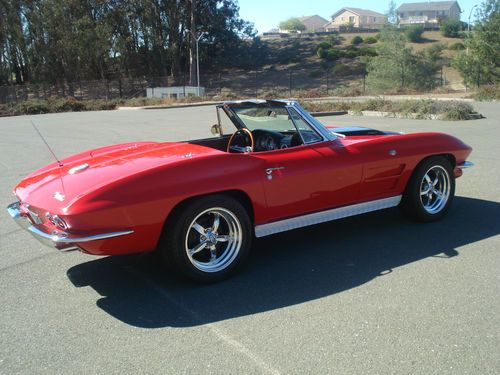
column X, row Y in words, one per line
column 270, row 118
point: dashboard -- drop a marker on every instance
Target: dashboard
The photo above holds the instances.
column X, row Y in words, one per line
column 268, row 140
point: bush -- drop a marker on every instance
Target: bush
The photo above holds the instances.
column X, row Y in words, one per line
column 341, row 70
column 334, row 54
column 32, row 107
column 458, row 46
column 321, row 53
column 451, row 28
column 488, row 93
column 367, row 51
column 324, row 45
column 414, row 33
column 371, row 40
column 335, row 40
column 356, row 40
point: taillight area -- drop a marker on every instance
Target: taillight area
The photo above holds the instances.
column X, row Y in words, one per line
column 56, row 221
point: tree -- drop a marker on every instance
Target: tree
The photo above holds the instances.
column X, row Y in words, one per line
column 63, row 41
column 414, row 33
column 396, row 66
column 392, row 14
column 292, row 24
column 479, row 64
column 451, row 28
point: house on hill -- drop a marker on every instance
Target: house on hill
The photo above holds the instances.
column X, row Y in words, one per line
column 314, row 23
column 356, row 18
column 427, row 14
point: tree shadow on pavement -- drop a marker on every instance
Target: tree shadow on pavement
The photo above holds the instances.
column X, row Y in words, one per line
column 285, row 269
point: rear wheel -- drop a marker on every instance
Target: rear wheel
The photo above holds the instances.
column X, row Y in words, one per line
column 430, row 190
column 208, row 238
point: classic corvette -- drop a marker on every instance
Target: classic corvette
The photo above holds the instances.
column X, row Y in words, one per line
column 201, row 202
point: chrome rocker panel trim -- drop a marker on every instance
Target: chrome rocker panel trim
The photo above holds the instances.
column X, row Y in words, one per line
column 324, row 216
column 58, row 239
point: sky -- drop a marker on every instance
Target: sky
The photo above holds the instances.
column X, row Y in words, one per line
column 267, row 14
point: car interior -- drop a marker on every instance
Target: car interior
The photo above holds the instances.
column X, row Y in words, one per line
column 262, row 129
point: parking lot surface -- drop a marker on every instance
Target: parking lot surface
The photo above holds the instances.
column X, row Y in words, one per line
column 374, row 294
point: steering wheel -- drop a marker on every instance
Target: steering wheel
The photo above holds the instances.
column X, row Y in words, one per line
column 238, row 148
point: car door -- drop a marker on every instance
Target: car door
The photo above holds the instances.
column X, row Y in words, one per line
column 310, row 177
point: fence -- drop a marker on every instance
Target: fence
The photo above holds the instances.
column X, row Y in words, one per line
column 238, row 83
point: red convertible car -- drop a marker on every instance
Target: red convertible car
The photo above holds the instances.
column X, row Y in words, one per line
column 201, row 202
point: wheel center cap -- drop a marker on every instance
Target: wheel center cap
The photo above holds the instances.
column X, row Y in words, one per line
column 212, row 237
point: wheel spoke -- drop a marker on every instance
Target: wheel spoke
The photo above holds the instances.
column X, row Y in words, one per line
column 197, row 227
column 427, row 178
column 224, row 238
column 213, row 253
column 435, row 182
column 198, row 248
column 425, row 192
column 438, row 194
column 216, row 223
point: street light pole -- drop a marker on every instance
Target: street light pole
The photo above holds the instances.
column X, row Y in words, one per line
column 197, row 58
column 468, row 22
column 468, row 37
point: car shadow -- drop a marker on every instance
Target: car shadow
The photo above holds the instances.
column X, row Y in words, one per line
column 284, row 269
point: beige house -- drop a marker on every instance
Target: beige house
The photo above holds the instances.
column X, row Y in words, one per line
column 428, row 14
column 357, row 18
column 314, row 23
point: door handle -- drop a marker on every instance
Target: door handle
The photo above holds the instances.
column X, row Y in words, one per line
column 271, row 170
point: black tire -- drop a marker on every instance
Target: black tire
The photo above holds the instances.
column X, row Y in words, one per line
column 422, row 200
column 198, row 252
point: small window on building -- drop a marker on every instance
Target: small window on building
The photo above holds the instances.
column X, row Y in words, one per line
column 351, row 19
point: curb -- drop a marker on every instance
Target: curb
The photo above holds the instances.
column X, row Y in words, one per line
column 172, row 106
column 411, row 116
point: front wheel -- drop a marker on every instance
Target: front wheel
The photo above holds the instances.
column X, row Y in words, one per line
column 208, row 239
column 430, row 190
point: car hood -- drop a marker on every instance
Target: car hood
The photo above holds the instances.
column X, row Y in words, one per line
column 55, row 186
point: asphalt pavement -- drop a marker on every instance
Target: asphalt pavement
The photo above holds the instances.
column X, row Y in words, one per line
column 374, row 294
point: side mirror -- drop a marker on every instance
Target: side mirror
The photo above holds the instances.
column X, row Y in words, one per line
column 216, row 129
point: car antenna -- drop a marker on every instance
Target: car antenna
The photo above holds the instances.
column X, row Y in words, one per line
column 44, row 141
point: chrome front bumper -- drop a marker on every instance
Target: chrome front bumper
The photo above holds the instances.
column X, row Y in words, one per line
column 57, row 239
column 465, row 164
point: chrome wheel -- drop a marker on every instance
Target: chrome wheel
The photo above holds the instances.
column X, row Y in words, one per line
column 213, row 239
column 435, row 189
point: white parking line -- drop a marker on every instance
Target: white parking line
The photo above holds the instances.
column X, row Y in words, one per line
column 220, row 334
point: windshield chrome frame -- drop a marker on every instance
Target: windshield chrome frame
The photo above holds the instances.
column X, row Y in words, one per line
column 323, row 132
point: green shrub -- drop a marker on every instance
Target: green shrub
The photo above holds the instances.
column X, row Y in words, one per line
column 356, row 40
column 351, row 54
column 324, row 45
column 322, row 53
column 334, row 54
column 367, row 51
column 370, row 40
column 451, row 28
column 414, row 33
column 457, row 46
